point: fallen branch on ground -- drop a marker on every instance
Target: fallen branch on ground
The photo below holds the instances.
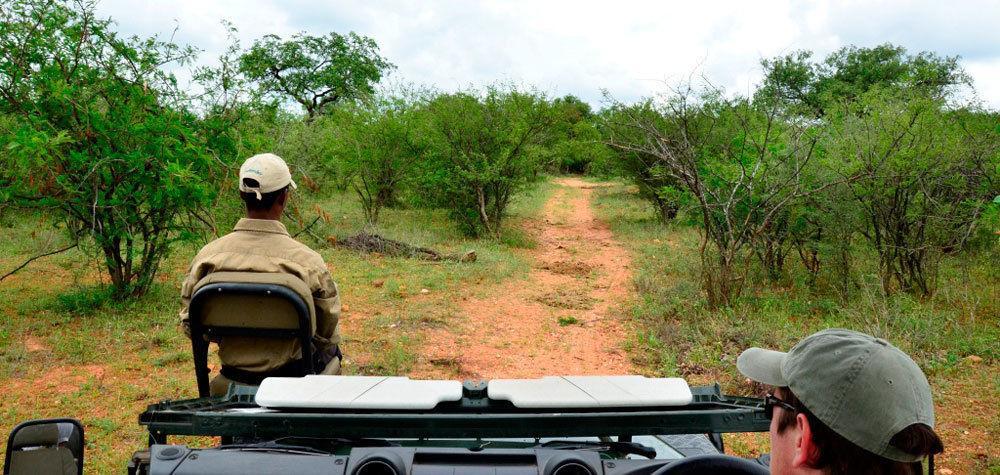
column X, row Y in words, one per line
column 368, row 242
column 22, row 266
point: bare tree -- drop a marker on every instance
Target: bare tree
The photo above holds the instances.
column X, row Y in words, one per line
column 742, row 163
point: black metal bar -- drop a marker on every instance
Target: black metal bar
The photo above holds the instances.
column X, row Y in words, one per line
column 199, row 353
column 275, row 425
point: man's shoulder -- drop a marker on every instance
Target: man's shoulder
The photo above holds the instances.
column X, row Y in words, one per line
column 287, row 247
column 273, row 246
column 218, row 244
column 305, row 250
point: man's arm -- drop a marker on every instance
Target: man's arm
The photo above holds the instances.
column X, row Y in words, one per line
column 187, row 290
column 326, row 300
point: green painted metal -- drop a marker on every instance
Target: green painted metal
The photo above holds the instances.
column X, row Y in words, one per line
column 475, row 416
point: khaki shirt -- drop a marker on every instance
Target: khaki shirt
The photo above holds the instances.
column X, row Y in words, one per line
column 263, row 245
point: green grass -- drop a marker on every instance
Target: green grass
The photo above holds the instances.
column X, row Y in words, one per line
column 566, row 321
column 83, row 301
column 68, row 349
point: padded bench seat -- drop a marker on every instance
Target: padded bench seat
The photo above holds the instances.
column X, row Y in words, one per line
column 356, row 392
column 401, row 393
column 591, row 391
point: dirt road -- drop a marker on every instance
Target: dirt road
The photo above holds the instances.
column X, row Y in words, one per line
column 565, row 318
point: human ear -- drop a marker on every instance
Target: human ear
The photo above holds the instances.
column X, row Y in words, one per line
column 806, row 451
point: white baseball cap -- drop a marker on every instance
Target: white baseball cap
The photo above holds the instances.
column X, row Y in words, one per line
column 269, row 171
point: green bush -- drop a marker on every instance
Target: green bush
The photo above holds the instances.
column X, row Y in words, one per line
column 629, row 124
column 482, row 150
column 99, row 132
column 379, row 147
column 919, row 178
column 576, row 141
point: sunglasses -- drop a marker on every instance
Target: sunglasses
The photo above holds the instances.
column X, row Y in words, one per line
column 770, row 401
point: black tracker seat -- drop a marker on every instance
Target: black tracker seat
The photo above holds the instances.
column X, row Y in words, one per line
column 252, row 313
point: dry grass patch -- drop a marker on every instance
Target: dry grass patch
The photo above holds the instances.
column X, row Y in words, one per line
column 567, row 298
column 570, row 268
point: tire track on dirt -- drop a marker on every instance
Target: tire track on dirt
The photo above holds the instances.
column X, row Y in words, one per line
column 563, row 319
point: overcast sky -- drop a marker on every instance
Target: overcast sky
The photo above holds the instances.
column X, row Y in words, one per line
column 581, row 47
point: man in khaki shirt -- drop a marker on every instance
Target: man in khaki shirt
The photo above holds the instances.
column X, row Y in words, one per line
column 260, row 243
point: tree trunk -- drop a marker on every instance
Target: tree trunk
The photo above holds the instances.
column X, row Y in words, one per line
column 666, row 210
column 483, row 214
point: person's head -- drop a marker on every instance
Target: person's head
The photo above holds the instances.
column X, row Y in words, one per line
column 845, row 402
column 264, row 185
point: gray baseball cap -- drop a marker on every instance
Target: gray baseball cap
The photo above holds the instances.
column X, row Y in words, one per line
column 860, row 386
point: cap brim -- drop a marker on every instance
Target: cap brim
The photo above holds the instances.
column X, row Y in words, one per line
column 291, row 183
column 762, row 365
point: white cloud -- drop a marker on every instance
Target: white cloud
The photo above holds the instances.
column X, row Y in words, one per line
column 985, row 75
column 580, row 47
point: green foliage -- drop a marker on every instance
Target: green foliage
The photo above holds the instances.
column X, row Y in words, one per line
column 576, row 139
column 850, row 72
column 864, row 153
column 482, row 151
column 915, row 178
column 317, row 72
column 920, row 178
column 741, row 163
column 379, row 147
column 624, row 124
column 566, row 321
column 96, row 130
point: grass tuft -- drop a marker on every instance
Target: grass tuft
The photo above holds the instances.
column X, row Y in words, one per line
column 173, row 358
column 566, row 321
column 84, row 300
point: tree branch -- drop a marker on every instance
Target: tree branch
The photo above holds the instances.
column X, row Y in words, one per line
column 22, row 266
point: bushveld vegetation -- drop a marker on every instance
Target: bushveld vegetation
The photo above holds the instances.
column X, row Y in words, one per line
column 858, row 191
column 97, row 131
column 871, row 149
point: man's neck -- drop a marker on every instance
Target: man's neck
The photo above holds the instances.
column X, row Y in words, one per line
column 274, row 216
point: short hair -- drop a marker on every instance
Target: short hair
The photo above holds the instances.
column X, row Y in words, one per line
column 266, row 200
column 841, row 456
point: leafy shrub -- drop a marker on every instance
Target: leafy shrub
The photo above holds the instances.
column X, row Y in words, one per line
column 482, row 151
column 920, row 178
column 631, row 124
column 379, row 146
column 101, row 134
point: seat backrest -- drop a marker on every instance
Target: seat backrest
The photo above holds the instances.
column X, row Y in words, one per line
column 260, row 320
column 35, row 450
column 232, row 309
column 43, row 461
column 36, row 436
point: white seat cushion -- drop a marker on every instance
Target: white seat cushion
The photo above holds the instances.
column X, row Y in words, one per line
column 591, row 391
column 356, row 392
